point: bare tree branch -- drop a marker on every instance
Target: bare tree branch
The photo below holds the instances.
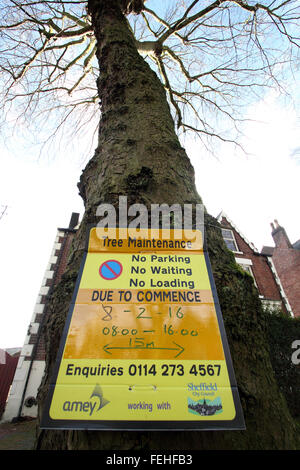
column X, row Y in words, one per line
column 209, row 54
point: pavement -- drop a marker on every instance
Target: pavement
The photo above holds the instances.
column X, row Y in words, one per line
column 18, row 436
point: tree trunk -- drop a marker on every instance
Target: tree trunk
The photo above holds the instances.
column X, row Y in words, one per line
column 139, row 155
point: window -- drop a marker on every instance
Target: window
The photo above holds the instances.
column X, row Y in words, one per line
column 245, row 264
column 246, row 268
column 229, row 239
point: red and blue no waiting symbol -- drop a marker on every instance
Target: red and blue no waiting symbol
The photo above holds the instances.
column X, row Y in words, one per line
column 110, row 269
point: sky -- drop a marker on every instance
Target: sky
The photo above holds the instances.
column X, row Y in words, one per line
column 41, row 193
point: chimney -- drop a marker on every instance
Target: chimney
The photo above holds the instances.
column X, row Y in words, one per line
column 279, row 236
column 74, row 220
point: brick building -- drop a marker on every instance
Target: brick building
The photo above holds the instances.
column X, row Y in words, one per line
column 259, row 265
column 286, row 258
column 31, row 364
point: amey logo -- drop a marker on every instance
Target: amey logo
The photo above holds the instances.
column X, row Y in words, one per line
column 94, row 404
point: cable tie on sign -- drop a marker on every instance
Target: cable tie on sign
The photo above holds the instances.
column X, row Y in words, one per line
column 140, row 388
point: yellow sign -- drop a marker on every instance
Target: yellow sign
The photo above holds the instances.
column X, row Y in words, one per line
column 144, row 345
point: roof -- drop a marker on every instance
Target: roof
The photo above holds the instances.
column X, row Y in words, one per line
column 73, row 225
column 296, row 245
column 267, row 250
column 219, row 219
column 13, row 351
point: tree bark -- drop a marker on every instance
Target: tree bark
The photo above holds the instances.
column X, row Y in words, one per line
column 139, row 155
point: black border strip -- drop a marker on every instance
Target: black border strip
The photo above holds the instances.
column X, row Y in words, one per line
column 237, row 423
